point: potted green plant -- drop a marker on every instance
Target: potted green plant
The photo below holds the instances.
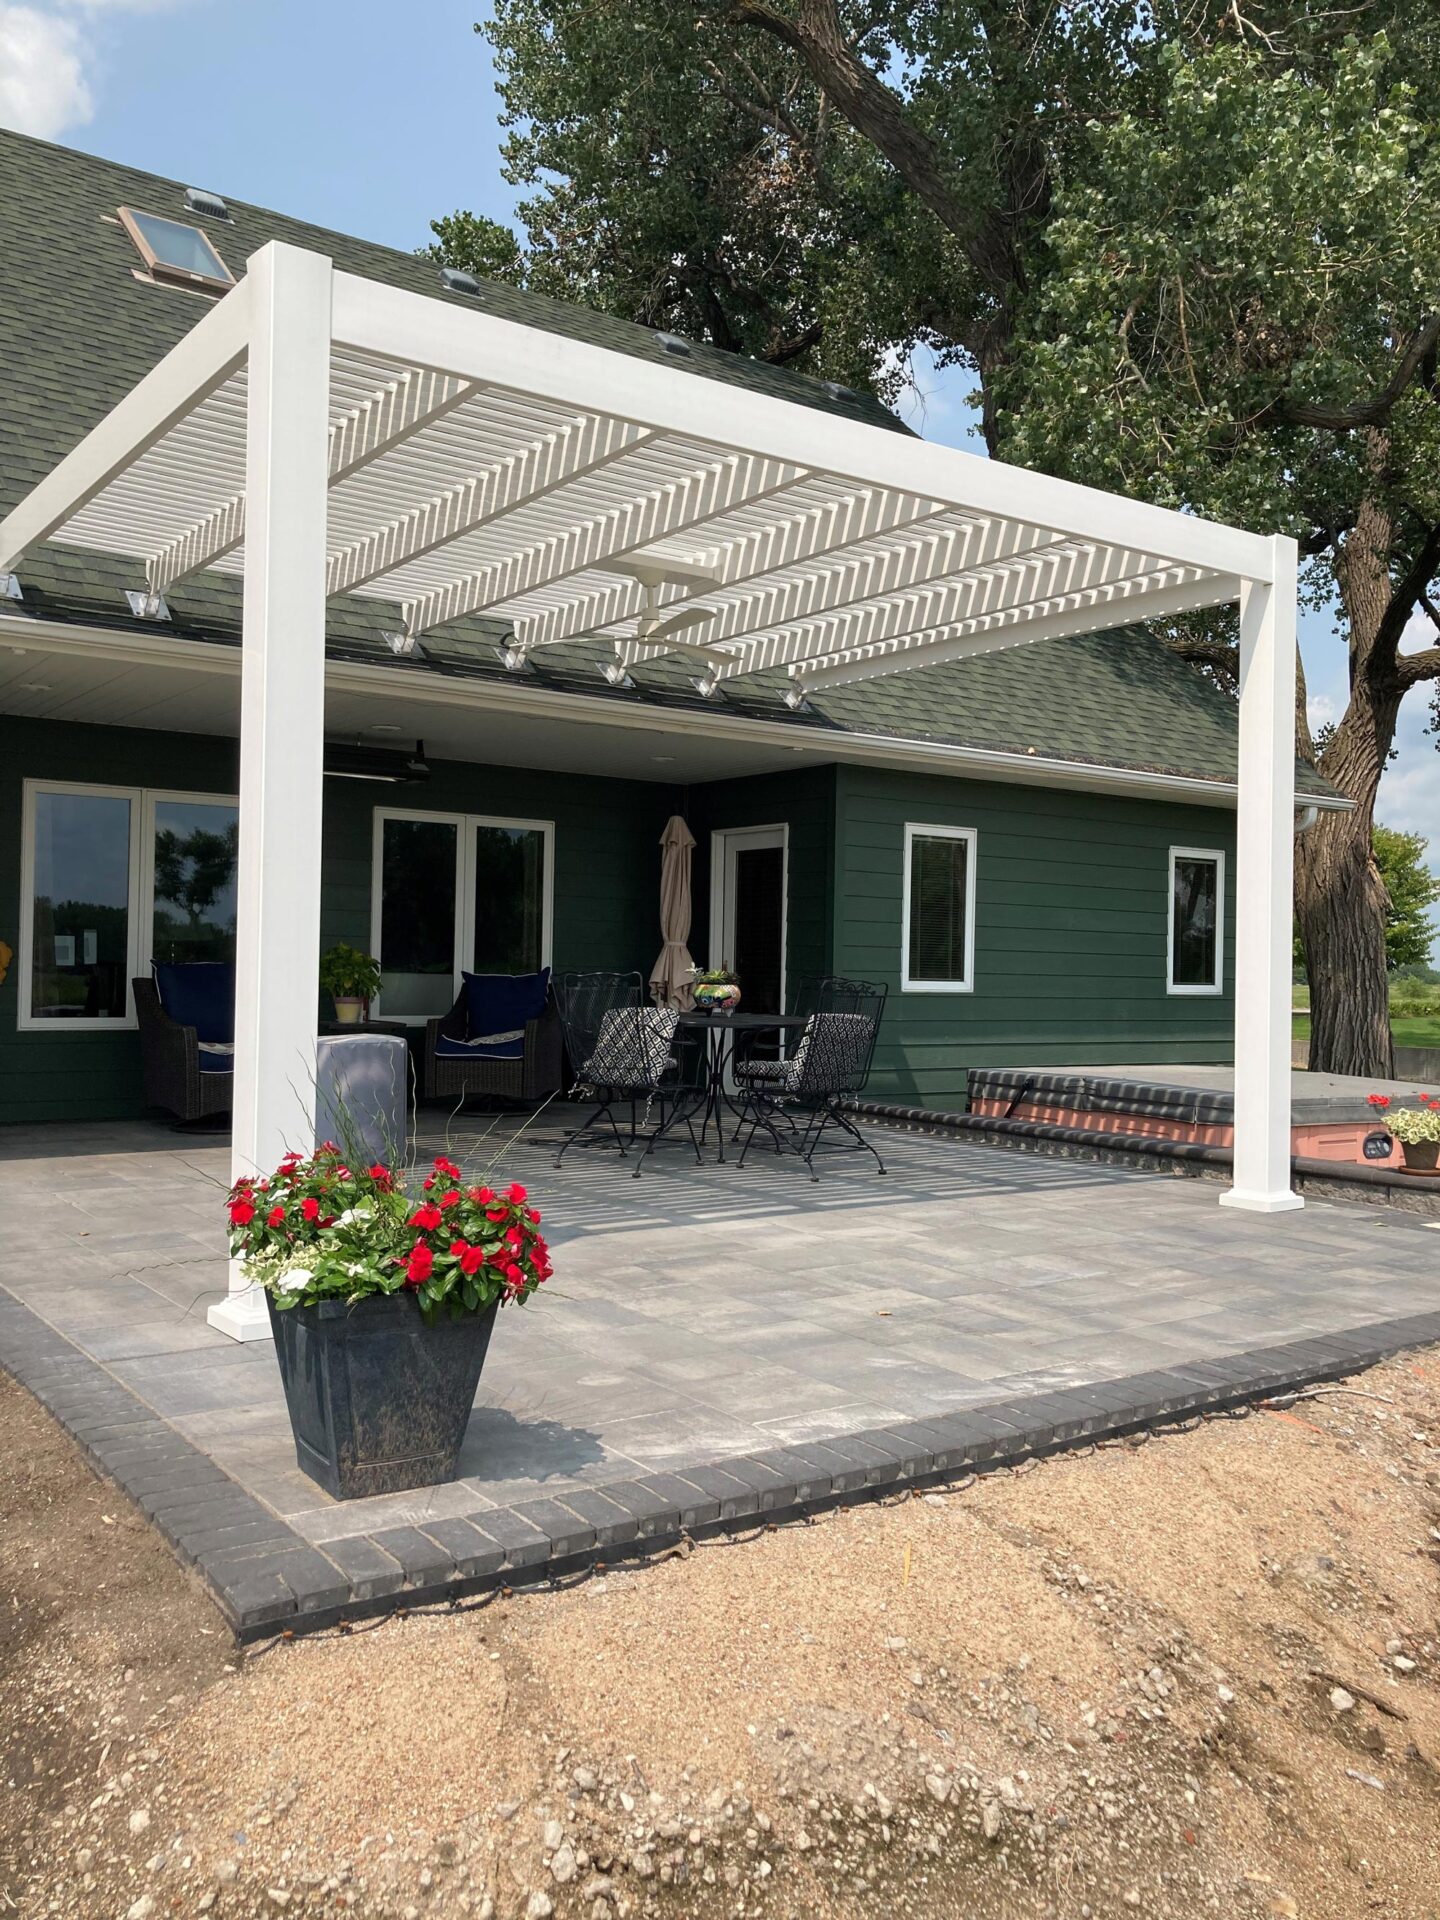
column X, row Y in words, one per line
column 382, row 1306
column 352, row 980
column 1417, row 1129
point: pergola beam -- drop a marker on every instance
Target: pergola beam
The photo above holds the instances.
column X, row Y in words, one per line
column 827, row 527
column 1121, row 603
column 701, row 495
column 192, row 370
column 939, row 553
column 378, row 425
column 582, row 446
column 483, row 346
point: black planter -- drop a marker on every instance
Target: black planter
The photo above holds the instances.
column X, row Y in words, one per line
column 378, row 1401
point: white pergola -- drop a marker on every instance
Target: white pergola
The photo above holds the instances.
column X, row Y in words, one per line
column 322, row 434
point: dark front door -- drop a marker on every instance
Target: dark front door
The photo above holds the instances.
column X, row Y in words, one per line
column 758, row 878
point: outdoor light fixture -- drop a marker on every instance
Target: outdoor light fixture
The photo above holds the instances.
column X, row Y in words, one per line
column 512, row 658
column 10, row 587
column 616, row 674
column 404, row 646
column 353, row 760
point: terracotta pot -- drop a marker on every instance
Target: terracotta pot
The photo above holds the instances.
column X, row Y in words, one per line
column 1421, row 1156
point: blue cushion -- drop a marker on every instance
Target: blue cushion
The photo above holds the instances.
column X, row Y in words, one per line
column 501, row 1003
column 498, row 1046
column 218, row 1059
column 199, row 994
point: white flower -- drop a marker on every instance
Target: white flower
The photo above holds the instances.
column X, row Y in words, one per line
column 292, row 1280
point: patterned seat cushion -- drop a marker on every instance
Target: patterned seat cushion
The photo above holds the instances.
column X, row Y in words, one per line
column 632, row 1048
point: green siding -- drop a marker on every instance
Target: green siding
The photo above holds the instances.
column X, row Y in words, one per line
column 607, row 864
column 805, row 802
column 1070, row 930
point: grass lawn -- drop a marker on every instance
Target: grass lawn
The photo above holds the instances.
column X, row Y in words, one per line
column 1423, row 1031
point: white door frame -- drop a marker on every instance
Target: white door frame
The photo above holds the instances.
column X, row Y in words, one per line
column 725, row 842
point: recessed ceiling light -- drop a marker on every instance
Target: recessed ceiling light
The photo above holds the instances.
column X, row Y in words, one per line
column 35, row 686
column 662, row 756
column 383, row 726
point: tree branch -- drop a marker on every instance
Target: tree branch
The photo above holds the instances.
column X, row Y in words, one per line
column 1405, row 597
column 1372, row 412
column 1413, row 668
column 816, row 35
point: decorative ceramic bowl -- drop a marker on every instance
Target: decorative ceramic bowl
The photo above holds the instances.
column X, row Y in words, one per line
column 717, row 996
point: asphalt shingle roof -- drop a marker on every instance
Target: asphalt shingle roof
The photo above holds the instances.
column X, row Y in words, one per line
column 78, row 329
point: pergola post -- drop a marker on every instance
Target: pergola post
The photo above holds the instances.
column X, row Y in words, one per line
column 1265, row 850
column 282, row 704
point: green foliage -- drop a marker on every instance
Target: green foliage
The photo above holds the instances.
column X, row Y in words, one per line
column 1412, row 890
column 348, row 974
column 1245, row 255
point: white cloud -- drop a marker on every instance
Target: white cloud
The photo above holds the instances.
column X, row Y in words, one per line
column 46, row 54
column 43, row 88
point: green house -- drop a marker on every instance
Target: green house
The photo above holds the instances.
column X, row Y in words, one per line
column 584, row 577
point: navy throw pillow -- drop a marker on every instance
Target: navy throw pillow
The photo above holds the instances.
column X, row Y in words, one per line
column 501, row 1002
column 199, row 994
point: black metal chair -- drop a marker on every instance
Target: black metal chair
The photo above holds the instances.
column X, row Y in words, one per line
column 828, row 1066
column 622, row 1052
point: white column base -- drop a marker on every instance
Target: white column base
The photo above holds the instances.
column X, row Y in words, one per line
column 242, row 1314
column 1260, row 1202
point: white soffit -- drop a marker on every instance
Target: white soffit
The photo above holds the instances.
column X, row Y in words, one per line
column 480, row 467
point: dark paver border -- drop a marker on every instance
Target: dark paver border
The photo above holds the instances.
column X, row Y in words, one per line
column 267, row 1578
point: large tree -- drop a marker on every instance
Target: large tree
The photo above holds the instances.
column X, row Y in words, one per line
column 1189, row 250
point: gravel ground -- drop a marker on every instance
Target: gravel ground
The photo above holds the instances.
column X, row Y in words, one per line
column 1195, row 1676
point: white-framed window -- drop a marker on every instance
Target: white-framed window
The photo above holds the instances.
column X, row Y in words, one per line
column 937, row 932
column 1195, row 906
column 455, row 893
column 112, row 878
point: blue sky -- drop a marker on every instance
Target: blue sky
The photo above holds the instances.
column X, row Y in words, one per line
column 374, row 117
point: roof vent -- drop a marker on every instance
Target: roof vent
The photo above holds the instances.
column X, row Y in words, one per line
column 197, row 200
column 456, row 280
column 838, row 392
column 672, row 343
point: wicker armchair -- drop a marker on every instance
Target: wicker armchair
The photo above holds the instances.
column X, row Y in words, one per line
column 825, row 1073
column 170, row 1062
column 534, row 1076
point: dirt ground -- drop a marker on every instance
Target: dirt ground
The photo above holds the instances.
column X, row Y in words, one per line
column 1195, row 1676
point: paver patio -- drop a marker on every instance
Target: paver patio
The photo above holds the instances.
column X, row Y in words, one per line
column 703, row 1313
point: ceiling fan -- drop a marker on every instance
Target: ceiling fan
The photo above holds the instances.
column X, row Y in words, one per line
column 657, row 623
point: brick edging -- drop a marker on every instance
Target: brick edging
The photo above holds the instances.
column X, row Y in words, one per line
column 268, row 1578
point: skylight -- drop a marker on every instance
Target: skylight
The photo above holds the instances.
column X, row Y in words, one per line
column 173, row 251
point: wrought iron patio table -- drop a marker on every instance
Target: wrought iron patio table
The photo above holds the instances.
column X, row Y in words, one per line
column 722, row 1032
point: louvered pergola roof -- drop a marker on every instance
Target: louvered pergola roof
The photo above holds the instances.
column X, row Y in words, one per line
column 477, row 466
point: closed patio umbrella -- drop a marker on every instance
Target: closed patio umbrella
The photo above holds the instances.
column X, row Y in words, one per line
column 670, row 981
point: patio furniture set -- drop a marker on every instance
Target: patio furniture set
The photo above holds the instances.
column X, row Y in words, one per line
column 509, row 1037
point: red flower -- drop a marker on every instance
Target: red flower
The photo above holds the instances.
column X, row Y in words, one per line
column 515, row 1237
column 483, row 1196
column 343, row 1173
column 1380, row 1100
column 534, row 1213
column 497, row 1213
column 242, row 1212
column 380, row 1175
column 515, row 1194
column 275, row 1217
column 451, row 1199
column 426, row 1217
column 471, row 1258
column 419, row 1265
column 515, row 1275
column 310, row 1208
column 442, row 1165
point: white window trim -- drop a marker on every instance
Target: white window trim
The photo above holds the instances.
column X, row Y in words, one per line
column 917, row 830
column 722, row 840
column 464, row 824
column 1171, row 987
column 140, row 889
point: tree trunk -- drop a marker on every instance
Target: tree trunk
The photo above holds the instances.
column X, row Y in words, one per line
column 1340, row 897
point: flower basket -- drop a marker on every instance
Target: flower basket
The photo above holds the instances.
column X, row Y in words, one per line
column 1417, row 1129
column 716, row 990
column 383, row 1308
